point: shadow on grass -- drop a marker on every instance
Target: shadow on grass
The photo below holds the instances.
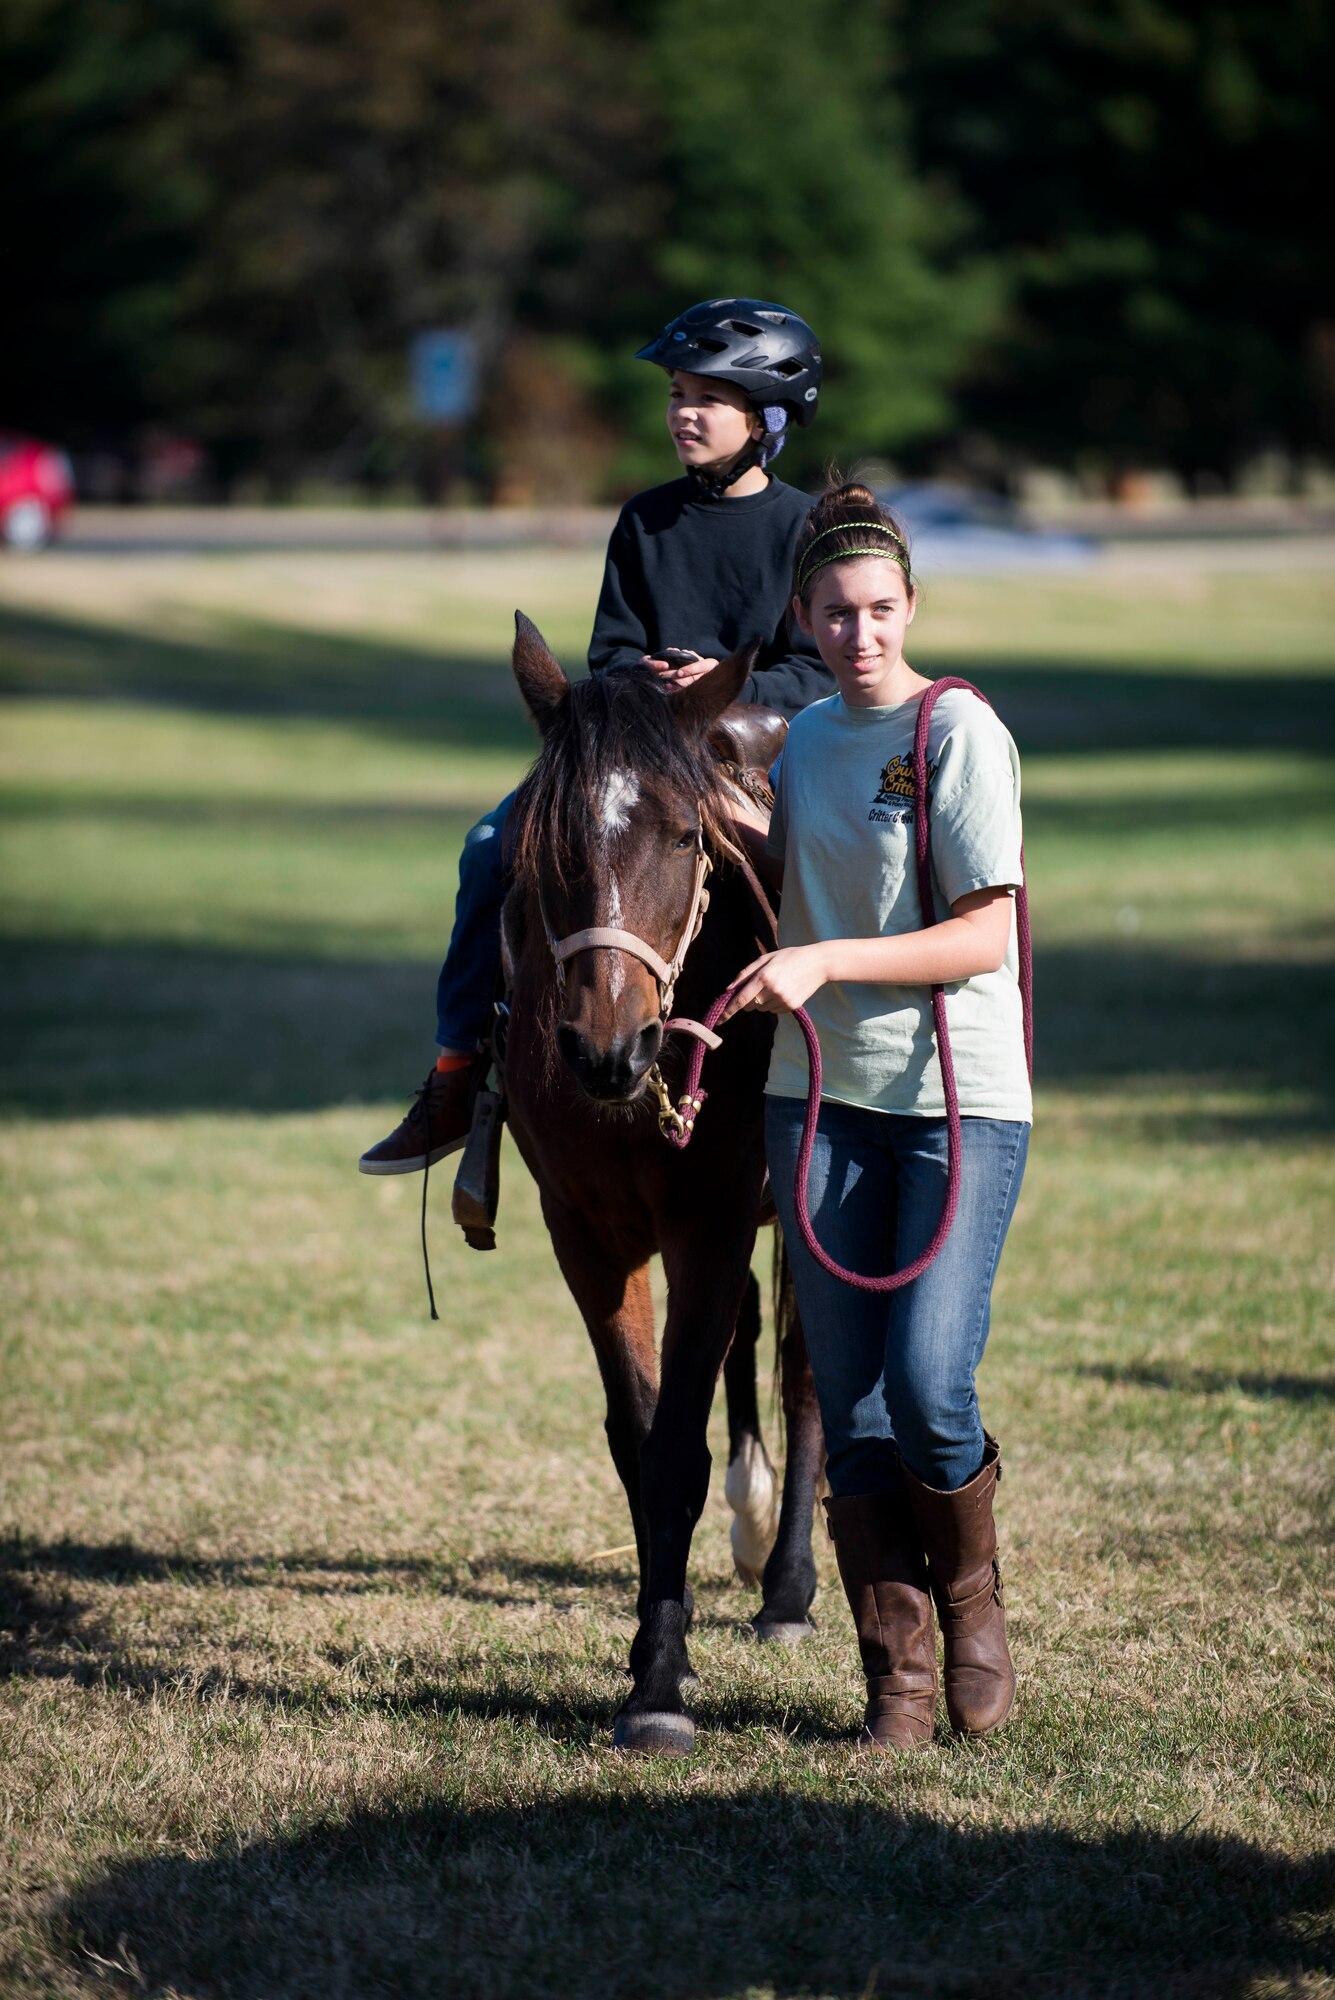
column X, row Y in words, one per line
column 639, row 1891
column 470, row 1689
column 110, row 1029
column 524, row 1577
column 1110, row 1015
column 49, row 1632
column 631, row 1882
column 257, row 667
column 1297, row 803
column 91, row 1029
column 48, row 1629
column 1188, row 1381
column 254, row 668
column 1067, row 706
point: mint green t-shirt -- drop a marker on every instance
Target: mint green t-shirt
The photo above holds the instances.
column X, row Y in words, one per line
column 843, row 826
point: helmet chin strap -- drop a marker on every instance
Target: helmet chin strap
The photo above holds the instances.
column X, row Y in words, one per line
column 714, row 482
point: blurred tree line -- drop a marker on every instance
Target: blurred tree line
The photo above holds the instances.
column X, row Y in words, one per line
column 1025, row 230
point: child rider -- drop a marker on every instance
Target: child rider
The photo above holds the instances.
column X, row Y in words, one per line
column 694, row 570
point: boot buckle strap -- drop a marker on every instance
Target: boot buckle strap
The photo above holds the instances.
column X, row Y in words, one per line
column 959, row 1612
column 891, row 1687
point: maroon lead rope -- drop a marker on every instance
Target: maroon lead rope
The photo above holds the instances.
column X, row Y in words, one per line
column 694, row 1097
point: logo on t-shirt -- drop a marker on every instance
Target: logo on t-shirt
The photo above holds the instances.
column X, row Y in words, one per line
column 897, row 792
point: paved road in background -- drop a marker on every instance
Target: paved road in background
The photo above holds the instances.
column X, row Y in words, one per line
column 178, row 529
column 1210, row 536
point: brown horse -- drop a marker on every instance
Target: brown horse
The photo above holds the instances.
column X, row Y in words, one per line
column 613, row 834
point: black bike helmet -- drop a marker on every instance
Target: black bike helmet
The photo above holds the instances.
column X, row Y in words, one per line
column 771, row 354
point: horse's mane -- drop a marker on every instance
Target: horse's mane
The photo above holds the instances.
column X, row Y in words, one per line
column 620, row 720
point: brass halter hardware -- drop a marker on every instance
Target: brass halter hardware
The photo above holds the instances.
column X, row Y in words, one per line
column 673, row 1123
column 670, row 1121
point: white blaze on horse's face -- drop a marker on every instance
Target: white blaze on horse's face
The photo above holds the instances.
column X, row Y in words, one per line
column 617, row 801
column 616, row 970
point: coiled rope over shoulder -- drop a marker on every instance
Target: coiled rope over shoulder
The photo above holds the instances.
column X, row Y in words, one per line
column 693, row 1097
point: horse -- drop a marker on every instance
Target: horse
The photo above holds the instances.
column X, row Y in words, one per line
column 620, row 821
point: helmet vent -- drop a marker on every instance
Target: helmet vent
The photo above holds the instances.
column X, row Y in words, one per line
column 762, row 348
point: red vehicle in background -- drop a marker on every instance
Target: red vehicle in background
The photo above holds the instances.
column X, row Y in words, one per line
column 36, row 491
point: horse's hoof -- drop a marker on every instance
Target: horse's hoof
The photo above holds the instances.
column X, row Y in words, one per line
column 781, row 1631
column 654, row 1734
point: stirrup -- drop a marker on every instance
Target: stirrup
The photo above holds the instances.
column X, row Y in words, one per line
column 477, row 1184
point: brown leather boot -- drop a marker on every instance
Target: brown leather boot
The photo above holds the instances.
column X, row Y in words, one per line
column 885, row 1580
column 960, row 1538
column 435, row 1123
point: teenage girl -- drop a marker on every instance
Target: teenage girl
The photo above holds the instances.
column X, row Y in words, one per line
column 911, row 1470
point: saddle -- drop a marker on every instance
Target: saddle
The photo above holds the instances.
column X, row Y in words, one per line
column 745, row 740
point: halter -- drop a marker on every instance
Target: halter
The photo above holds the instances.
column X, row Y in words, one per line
column 605, row 937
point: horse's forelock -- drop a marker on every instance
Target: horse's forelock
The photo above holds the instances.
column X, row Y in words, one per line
column 616, row 731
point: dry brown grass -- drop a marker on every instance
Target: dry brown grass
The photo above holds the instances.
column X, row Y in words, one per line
column 307, row 1654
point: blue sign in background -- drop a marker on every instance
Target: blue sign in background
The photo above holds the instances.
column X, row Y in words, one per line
column 443, row 364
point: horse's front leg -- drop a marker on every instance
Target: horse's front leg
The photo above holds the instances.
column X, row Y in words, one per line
column 706, row 1261
column 618, row 1311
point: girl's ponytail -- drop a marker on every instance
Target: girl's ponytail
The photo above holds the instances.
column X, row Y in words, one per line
column 847, row 520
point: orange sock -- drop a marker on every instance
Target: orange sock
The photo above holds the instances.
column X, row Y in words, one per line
column 446, row 1063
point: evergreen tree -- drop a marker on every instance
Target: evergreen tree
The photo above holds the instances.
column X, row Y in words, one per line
column 104, row 193
column 791, row 179
column 390, row 170
column 1148, row 170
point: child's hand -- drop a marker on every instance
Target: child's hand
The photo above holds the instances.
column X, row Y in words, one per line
column 778, row 982
column 677, row 666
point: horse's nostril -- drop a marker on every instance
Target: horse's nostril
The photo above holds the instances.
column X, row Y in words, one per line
column 614, row 1072
column 646, row 1046
column 571, row 1046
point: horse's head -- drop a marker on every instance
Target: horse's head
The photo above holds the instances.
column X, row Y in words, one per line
column 612, row 835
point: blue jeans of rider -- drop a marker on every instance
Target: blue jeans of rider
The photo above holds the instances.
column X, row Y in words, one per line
column 467, row 980
column 894, row 1371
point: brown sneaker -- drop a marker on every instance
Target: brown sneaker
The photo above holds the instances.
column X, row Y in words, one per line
column 436, row 1124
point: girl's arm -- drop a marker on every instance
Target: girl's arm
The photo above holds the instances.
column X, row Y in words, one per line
column 972, row 940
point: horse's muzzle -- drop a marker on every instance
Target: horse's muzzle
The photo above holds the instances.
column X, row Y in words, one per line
column 612, row 1072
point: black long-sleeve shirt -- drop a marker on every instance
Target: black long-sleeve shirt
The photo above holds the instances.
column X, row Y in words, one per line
column 710, row 575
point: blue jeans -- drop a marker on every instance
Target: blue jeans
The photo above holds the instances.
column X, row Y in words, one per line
column 895, row 1370
column 467, row 982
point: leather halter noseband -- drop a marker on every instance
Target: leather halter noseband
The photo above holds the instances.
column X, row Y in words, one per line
column 666, row 972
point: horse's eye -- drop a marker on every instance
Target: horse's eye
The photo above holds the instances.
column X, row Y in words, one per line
column 686, row 842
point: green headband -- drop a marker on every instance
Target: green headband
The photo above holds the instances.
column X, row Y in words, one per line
column 809, row 568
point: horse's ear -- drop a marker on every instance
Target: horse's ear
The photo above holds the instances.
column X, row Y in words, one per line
column 697, row 706
column 541, row 681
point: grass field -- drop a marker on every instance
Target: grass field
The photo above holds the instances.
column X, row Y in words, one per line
column 308, row 1643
